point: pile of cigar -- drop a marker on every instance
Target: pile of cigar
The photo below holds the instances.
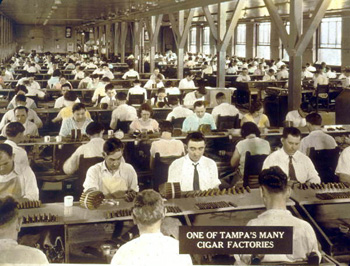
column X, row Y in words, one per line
column 39, row 218
column 29, row 204
column 118, row 213
column 339, row 185
column 130, row 195
column 214, row 205
column 91, row 199
column 173, row 209
column 172, row 190
column 333, row 195
column 217, row 192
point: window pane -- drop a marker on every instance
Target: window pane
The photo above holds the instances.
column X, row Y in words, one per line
column 330, row 33
column 331, row 56
column 264, row 30
column 241, row 34
column 240, row 50
column 264, row 52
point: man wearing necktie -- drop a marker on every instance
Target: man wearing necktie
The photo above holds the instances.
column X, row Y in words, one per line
column 296, row 165
column 194, row 171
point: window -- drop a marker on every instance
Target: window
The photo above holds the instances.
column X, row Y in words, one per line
column 206, row 40
column 240, row 47
column 192, row 42
column 285, row 56
column 329, row 48
column 263, row 43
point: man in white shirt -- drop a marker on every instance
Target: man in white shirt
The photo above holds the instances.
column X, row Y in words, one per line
column 343, row 167
column 223, row 108
column 156, row 73
column 187, row 82
column 33, row 86
column 320, row 78
column 137, row 89
column 113, row 177
column 100, row 90
column 283, row 73
column 152, row 247
column 16, row 180
column 310, row 67
column 109, row 99
column 106, row 72
column 194, row 96
column 178, row 110
column 156, row 83
column 275, row 192
column 21, row 115
column 294, row 163
column 243, row 76
column 60, row 102
column 317, row 138
column 306, row 73
column 170, row 90
column 15, row 135
column 11, row 252
column 21, row 89
column 279, row 63
column 297, row 117
column 200, row 117
column 346, row 79
column 92, row 149
column 131, row 73
column 194, row 171
column 270, row 75
column 123, row 112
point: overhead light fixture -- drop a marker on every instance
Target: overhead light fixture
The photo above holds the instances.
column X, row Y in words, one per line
column 58, row 2
column 54, row 7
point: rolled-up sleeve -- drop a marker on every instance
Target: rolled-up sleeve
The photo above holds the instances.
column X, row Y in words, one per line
column 92, row 179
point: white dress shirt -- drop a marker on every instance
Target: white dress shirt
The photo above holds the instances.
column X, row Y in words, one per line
column 100, row 178
column 21, row 157
column 283, row 74
column 190, row 98
column 151, row 249
column 137, row 90
column 35, row 90
column 149, row 84
column 179, row 111
column 242, row 78
column 29, row 103
column 317, row 139
column 343, row 166
column 269, row 78
column 123, row 112
column 94, row 148
column 14, row 254
column 224, row 109
column 167, row 147
column 182, row 170
column 296, row 119
column 185, row 84
column 25, row 176
column 131, row 74
column 60, row 102
column 304, row 238
column 107, row 73
column 172, row 91
column 69, row 123
column 9, row 116
column 304, row 169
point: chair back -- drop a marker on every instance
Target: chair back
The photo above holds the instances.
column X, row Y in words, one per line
column 252, row 168
column 84, row 165
column 177, row 122
column 325, row 162
column 227, row 122
column 161, row 169
column 136, row 98
column 123, row 126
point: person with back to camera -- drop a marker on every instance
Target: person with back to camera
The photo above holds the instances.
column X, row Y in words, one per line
column 275, row 192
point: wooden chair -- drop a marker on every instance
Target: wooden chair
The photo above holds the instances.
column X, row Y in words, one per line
column 161, row 168
column 322, row 96
column 227, row 122
column 325, row 162
column 252, row 168
column 123, row 126
column 177, row 122
column 136, row 98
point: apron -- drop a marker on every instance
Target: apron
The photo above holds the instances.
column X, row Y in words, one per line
column 113, row 184
column 11, row 188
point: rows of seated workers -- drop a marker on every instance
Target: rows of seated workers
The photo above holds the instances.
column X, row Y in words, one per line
column 190, row 166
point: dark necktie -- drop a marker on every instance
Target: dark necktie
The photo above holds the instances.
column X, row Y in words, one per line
column 292, row 175
column 195, row 178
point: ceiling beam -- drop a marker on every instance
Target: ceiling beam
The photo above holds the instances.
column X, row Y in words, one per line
column 210, row 21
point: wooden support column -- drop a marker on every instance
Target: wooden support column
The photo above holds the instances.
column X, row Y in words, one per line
column 123, row 33
column 181, row 33
column 153, row 27
column 137, row 38
column 108, row 39
column 199, row 39
column 345, row 42
column 250, row 40
column 116, row 38
column 275, row 42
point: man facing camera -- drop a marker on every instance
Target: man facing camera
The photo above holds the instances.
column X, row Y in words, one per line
column 152, row 247
column 11, row 253
column 199, row 117
column 112, row 176
column 275, row 193
column 194, row 171
column 293, row 162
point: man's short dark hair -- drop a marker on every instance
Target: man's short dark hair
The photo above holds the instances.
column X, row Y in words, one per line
column 148, row 207
column 67, row 85
column 113, row 145
column 8, row 210
column 109, row 87
column 121, row 96
column 20, row 98
column 314, row 119
column 173, row 100
column 249, row 128
column 106, row 79
column 220, row 95
column 305, row 107
column 195, row 136
column 274, row 179
column 70, row 96
column 255, row 106
column 78, row 106
column 94, row 128
column 136, row 81
column 21, row 108
column 160, row 90
column 168, row 84
column 198, row 104
column 21, row 88
column 295, row 132
column 14, row 128
column 166, row 126
column 6, row 149
column 56, row 73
